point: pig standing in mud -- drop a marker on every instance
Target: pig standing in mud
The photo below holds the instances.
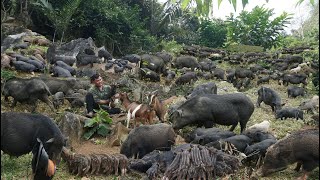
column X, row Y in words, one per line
column 301, row 147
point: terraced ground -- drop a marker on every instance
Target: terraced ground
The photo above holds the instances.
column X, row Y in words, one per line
column 20, row 168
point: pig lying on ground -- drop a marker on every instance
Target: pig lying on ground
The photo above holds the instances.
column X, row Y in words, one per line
column 301, row 147
column 258, row 135
column 239, row 141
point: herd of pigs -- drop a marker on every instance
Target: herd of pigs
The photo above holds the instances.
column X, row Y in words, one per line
column 210, row 152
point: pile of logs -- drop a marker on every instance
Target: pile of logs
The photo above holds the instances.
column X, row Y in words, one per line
column 95, row 164
column 201, row 162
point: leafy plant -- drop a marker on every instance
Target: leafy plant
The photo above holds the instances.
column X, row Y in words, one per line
column 257, row 28
column 169, row 46
column 204, row 7
column 60, row 17
column 99, row 124
column 212, row 33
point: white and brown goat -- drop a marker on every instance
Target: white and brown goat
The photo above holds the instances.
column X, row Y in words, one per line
column 136, row 111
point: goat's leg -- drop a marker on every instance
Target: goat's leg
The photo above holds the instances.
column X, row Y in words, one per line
column 128, row 118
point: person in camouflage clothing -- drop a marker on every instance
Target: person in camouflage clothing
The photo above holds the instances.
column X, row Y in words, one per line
column 99, row 96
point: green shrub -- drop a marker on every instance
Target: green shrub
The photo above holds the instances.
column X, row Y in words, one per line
column 169, row 46
column 213, row 33
column 99, row 124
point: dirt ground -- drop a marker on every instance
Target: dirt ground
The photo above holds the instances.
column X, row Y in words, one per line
column 90, row 147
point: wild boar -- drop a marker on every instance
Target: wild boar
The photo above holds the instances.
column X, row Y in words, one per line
column 27, row 91
column 85, row 59
column 230, row 75
column 66, row 66
column 133, row 58
column 244, row 73
column 310, row 105
column 59, row 71
column 260, row 147
column 294, row 79
column 103, row 53
column 269, row 97
column 289, row 113
column 167, row 57
column 20, row 130
column 153, row 63
column 146, row 138
column 239, row 141
column 149, row 74
column 185, row 61
column 227, row 109
column 219, row 73
column 55, row 85
column 23, row 66
column 301, row 146
column 186, row 78
column 263, row 79
column 258, row 135
column 211, row 137
column 208, row 88
column 294, row 91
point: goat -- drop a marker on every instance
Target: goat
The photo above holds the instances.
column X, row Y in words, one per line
column 136, row 111
column 160, row 107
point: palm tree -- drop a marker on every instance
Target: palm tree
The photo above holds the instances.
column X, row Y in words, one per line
column 203, row 7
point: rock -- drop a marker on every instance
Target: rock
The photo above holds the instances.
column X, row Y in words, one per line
column 71, row 126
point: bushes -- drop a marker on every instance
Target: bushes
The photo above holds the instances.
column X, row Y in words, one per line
column 212, row 33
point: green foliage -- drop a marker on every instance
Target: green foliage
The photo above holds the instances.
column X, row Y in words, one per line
column 203, row 7
column 183, row 29
column 99, row 124
column 7, row 74
column 256, row 28
column 169, row 46
column 113, row 24
column 141, row 41
column 212, row 33
column 58, row 12
column 311, row 39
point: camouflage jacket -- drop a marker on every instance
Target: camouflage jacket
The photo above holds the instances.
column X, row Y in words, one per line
column 98, row 95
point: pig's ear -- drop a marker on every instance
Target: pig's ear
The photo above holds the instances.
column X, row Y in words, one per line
column 179, row 112
column 50, row 140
